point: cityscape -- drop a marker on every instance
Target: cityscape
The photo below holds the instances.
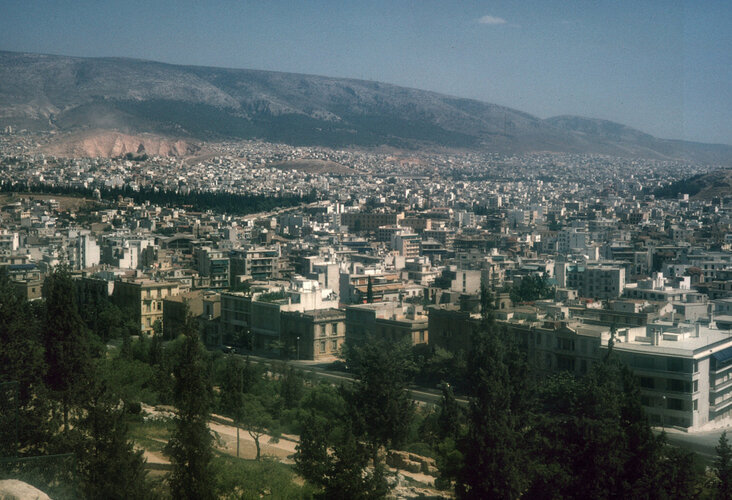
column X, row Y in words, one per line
column 226, row 283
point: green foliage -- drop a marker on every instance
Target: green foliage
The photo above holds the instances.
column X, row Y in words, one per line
column 130, row 380
column 109, row 467
column 495, row 459
column 723, row 468
column 190, row 447
column 257, row 420
column 69, row 347
column 379, row 404
column 252, row 480
column 532, row 287
column 24, row 420
column 340, row 472
column 370, row 291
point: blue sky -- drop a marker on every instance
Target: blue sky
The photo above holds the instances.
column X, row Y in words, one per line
column 664, row 67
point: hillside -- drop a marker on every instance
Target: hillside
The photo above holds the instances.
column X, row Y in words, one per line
column 44, row 92
column 701, row 187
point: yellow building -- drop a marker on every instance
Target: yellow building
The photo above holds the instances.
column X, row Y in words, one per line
column 143, row 298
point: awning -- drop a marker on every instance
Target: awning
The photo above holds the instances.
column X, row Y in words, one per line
column 723, row 356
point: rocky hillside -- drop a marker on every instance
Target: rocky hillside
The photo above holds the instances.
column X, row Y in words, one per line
column 43, row 92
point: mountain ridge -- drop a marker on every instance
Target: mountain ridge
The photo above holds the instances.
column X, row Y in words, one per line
column 51, row 92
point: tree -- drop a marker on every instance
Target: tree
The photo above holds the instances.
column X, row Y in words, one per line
column 190, row 447
column 370, row 291
column 338, row 464
column 291, row 386
column 723, row 468
column 450, row 416
column 257, row 420
column 591, row 439
column 232, row 393
column 109, row 467
column 69, row 348
column 379, row 405
column 495, row 460
column 24, row 422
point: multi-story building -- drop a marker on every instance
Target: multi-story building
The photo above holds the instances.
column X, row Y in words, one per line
column 388, row 321
column 143, row 299
column 406, row 244
column 213, row 264
column 313, row 335
column 370, row 221
column 599, row 281
column 385, row 287
column 685, row 373
column 259, row 263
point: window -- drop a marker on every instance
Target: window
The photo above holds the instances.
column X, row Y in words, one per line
column 421, row 336
column 334, row 329
column 565, row 344
column 695, row 404
column 674, row 364
column 696, row 386
column 322, row 346
column 333, row 345
column 674, row 404
column 647, row 383
column 322, row 330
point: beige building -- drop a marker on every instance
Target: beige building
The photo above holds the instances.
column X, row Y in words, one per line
column 143, row 298
column 315, row 334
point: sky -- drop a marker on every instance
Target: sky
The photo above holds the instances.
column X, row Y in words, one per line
column 664, row 67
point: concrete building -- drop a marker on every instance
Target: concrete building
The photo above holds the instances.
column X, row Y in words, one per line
column 314, row 335
column 213, row 264
column 685, row 373
column 599, row 281
column 143, row 299
column 370, row 221
column 388, row 321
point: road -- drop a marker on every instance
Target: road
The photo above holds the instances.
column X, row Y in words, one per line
column 701, row 443
column 421, row 395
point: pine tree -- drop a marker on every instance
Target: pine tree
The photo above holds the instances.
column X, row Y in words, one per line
column 190, row 447
column 69, row 347
column 380, row 406
column 108, row 466
column 495, row 461
column 232, row 393
column 723, row 468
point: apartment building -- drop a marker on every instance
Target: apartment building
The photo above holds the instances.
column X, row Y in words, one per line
column 143, row 299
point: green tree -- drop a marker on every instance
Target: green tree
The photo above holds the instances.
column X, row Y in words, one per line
column 232, row 393
column 450, row 417
column 338, row 464
column 495, row 459
column 292, row 385
column 257, row 421
column 69, row 348
column 379, row 404
column 108, row 465
column 591, row 440
column 370, row 291
column 190, row 447
column 24, row 405
column 723, row 468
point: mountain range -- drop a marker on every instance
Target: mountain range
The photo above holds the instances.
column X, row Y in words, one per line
column 48, row 92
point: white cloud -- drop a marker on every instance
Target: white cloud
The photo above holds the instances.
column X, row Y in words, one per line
column 492, row 20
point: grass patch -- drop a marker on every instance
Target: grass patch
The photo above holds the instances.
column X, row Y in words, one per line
column 241, row 479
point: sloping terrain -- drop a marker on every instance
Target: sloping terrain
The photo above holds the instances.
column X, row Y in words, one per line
column 701, row 187
column 44, row 92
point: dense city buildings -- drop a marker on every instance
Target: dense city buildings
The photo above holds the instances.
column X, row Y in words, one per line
column 576, row 249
